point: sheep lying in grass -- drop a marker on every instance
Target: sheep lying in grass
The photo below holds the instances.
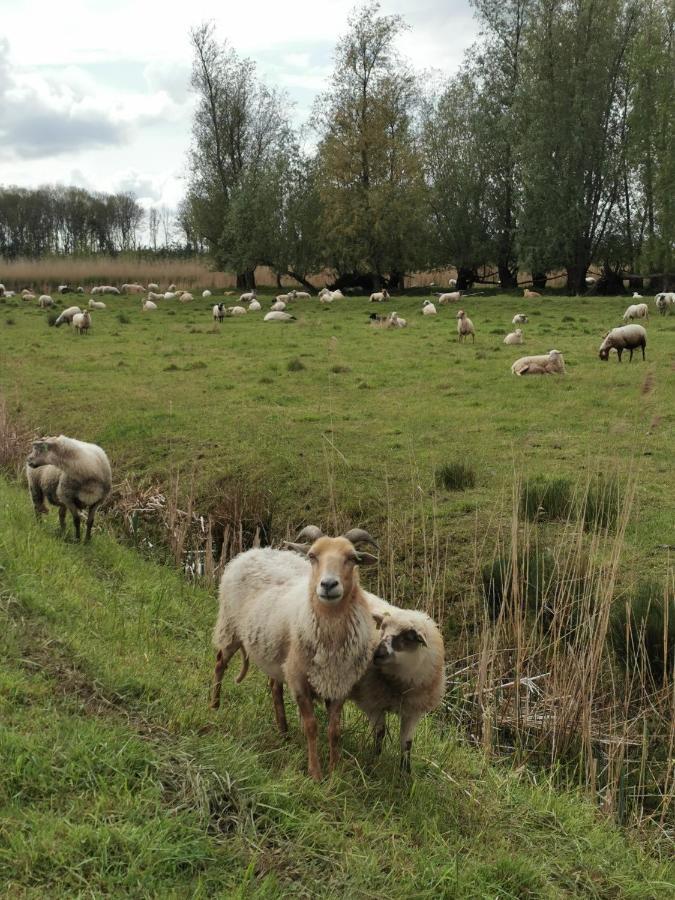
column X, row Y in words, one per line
column 636, row 311
column 626, row 337
column 278, row 316
column 105, row 289
column 379, row 296
column 254, row 306
column 148, row 305
column 67, row 315
column 152, row 286
column 395, row 321
column 185, row 297
column 169, row 295
column 449, row 297
column 465, row 327
column 304, row 622
column 96, row 304
column 406, row 675
column 70, row 474
column 428, row 308
column 27, row 295
column 206, row 293
column 153, row 295
column 528, row 293
column 133, row 288
column 551, row 363
column 45, row 301
column 245, row 298
column 278, row 305
column 236, row 310
column 519, row 319
column 302, row 295
column 82, row 322
column 515, row 337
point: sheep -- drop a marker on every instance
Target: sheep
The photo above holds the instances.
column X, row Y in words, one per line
column 171, row 287
column 82, row 322
column 236, row 310
column 528, row 293
column 551, row 363
column 148, row 305
column 637, row 295
column 170, row 295
column 79, row 290
column 218, row 312
column 664, row 302
column 514, row 337
column 406, row 675
column 45, row 301
column 278, row 306
column 276, row 316
column 185, row 297
column 254, row 306
column 626, row 337
column 67, row 315
column 465, row 327
column 449, row 297
column 326, row 298
column 105, row 289
column 302, row 295
column 395, row 321
column 82, row 478
column 245, row 298
column 152, row 295
column 338, row 295
column 636, row 311
column 133, row 288
column 27, row 295
column 519, row 319
column 96, row 304
column 8, row 294
column 428, row 308
column 379, row 296
column 590, row 280
column 285, row 298
column 303, row 621
column 152, row 286
column 452, row 282
column 206, row 293
column 64, row 289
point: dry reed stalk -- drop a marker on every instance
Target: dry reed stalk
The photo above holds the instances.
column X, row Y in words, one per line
column 15, row 440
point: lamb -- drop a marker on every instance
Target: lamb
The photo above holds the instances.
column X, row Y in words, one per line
column 254, row 306
column 96, row 304
column 152, row 286
column 70, row 474
column 278, row 305
column 449, row 297
column 276, row 316
column 236, row 310
column 636, row 311
column 67, row 315
column 303, row 621
column 245, row 298
column 528, row 293
column 45, row 301
column 82, row 322
column 551, row 363
column 395, row 321
column 406, row 675
column 185, row 297
column 465, row 327
column 379, row 297
column 148, row 305
column 428, row 308
column 218, row 312
column 514, row 337
column 519, row 319
column 626, row 337
column 133, row 288
column 206, row 293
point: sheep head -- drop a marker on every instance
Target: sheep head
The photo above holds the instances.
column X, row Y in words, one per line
column 42, row 453
column 401, row 635
column 312, row 535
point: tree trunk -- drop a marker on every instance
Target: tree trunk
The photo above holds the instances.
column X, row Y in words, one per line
column 278, row 282
column 301, row 280
column 539, row 281
column 610, row 283
column 396, row 281
column 465, row 278
column 508, row 278
column 246, row 280
column 576, row 278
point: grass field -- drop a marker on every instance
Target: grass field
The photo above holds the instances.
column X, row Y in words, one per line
column 116, row 778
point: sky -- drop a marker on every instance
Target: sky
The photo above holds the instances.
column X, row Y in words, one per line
column 95, row 93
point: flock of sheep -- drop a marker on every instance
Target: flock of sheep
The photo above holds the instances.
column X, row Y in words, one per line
column 299, row 613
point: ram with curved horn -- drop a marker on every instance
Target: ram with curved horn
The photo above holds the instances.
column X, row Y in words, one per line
column 312, row 533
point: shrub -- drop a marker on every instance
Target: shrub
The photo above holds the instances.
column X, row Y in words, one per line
column 456, row 476
column 641, row 635
column 546, row 498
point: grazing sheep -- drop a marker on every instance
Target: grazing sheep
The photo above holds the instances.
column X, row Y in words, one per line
column 428, row 308
column 45, row 301
column 276, row 316
column 519, row 319
column 96, row 304
column 379, row 296
column 152, row 286
column 551, row 363
column 206, row 293
column 625, row 337
column 105, row 289
column 302, row 295
column 245, row 298
column 236, row 310
column 218, row 312
column 82, row 322
column 185, row 297
column 83, row 482
column 395, row 321
column 664, row 301
column 406, row 675
column 67, row 315
column 303, row 621
column 636, row 311
column 465, row 327
column 449, row 297
column 133, row 289
column 514, row 337
column 148, row 305
column 285, row 298
column 528, row 293
column 278, row 306
column 254, row 306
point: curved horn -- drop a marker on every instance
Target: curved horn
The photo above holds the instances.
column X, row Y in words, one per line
column 299, row 548
column 310, row 533
column 359, row 536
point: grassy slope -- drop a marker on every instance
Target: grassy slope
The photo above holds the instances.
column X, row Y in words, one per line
column 116, row 777
column 169, row 389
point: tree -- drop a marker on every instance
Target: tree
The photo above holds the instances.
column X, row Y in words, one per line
column 153, row 227
column 238, row 126
column 369, row 166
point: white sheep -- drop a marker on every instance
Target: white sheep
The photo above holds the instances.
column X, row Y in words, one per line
column 133, row 288
column 636, row 311
column 152, row 286
column 626, row 337
column 67, row 315
column 105, row 289
column 96, row 304
column 465, row 327
column 326, row 298
column 171, row 287
column 664, row 302
column 285, row 298
column 218, row 312
column 152, row 295
column 406, row 675
column 245, row 298
column 148, row 305
column 63, row 289
column 82, row 322
column 206, row 293
column 452, row 282
column 236, row 310
column 304, row 622
column 70, row 474
column 379, row 296
column 428, row 308
column 514, row 337
column 519, row 319
column 529, row 293
column 637, row 295
column 449, row 297
column 278, row 305
column 185, row 297
column 302, row 295
column 277, row 316
column 590, row 280
column 79, row 290
column 44, row 301
column 551, row 363
column 395, row 321
column 169, row 295
column 27, row 295
column 254, row 306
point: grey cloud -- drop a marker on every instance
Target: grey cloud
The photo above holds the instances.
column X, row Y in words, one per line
column 37, row 132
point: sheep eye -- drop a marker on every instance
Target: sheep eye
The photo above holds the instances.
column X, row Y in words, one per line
column 311, row 557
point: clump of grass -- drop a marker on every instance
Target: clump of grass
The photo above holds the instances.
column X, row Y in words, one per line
column 295, row 365
column 456, row 476
column 603, row 502
column 338, row 370
column 51, row 318
column 172, row 367
column 123, row 318
column 642, row 632
column 10, row 321
column 568, row 319
column 546, row 498
column 198, row 364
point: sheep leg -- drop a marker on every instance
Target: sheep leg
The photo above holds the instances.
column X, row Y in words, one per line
column 643, row 352
column 90, row 521
column 62, row 519
column 334, row 717
column 74, row 511
column 223, row 657
column 38, row 498
column 630, row 358
column 408, row 724
column 304, row 700
column 619, row 351
column 277, row 689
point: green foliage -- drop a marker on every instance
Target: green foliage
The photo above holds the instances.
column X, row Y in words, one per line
column 123, row 318
column 642, row 631
column 546, row 498
column 456, row 476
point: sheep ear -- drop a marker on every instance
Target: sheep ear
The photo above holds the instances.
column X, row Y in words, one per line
column 378, row 619
column 417, row 636
column 366, row 559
